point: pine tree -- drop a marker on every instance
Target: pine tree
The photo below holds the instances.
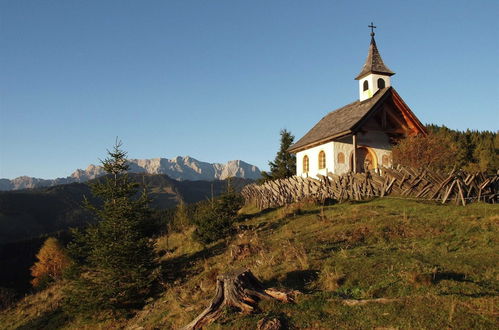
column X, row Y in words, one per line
column 115, row 257
column 52, row 261
column 284, row 164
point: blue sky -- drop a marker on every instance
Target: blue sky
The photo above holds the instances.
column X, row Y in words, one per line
column 217, row 80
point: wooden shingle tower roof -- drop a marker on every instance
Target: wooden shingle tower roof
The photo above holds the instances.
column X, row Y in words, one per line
column 374, row 63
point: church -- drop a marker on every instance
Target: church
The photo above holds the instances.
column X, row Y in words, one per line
column 358, row 136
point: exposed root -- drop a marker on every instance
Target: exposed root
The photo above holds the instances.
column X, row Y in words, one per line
column 241, row 290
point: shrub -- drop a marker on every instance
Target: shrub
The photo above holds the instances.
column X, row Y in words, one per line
column 214, row 219
column 433, row 151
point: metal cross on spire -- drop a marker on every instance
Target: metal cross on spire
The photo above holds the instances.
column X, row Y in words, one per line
column 372, row 29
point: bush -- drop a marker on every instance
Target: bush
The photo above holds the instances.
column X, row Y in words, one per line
column 214, row 219
column 433, row 151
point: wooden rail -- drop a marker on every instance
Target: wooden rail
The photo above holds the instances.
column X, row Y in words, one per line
column 458, row 186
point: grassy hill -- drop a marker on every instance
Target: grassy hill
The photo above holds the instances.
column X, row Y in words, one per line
column 435, row 264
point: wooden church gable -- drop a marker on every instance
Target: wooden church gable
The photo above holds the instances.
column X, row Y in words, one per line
column 392, row 116
column 385, row 111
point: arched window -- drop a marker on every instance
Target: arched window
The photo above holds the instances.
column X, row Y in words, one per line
column 385, row 160
column 381, row 83
column 341, row 158
column 365, row 86
column 305, row 164
column 322, row 160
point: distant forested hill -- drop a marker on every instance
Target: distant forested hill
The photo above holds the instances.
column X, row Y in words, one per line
column 474, row 151
column 26, row 214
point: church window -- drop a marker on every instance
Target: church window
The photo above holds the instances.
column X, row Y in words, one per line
column 381, row 83
column 341, row 158
column 385, row 160
column 305, row 164
column 365, row 86
column 322, row 160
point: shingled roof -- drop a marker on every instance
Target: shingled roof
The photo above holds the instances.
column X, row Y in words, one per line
column 339, row 122
column 374, row 63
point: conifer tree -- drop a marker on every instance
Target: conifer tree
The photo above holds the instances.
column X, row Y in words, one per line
column 214, row 218
column 115, row 257
column 284, row 164
column 181, row 217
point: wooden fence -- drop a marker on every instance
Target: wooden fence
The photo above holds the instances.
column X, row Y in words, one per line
column 457, row 186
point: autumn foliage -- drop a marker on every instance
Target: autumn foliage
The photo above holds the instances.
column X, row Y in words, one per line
column 444, row 149
column 52, row 260
column 432, row 151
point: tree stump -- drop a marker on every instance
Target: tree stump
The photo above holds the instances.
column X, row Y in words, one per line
column 241, row 290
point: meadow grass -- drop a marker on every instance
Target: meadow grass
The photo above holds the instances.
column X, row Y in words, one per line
column 436, row 264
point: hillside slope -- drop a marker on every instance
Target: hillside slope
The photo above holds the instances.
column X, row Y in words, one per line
column 435, row 264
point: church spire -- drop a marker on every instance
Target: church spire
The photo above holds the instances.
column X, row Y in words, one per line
column 374, row 74
column 374, row 63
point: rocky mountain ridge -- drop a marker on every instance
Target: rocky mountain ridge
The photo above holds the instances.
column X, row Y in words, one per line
column 178, row 168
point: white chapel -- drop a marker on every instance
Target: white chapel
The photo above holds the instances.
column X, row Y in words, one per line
column 358, row 136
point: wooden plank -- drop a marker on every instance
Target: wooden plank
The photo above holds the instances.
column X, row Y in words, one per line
column 448, row 192
column 461, row 193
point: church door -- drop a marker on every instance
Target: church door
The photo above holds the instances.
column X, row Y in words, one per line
column 365, row 160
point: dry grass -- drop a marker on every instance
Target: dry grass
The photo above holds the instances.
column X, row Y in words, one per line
column 330, row 279
column 32, row 308
column 438, row 264
column 295, row 209
column 418, row 279
column 176, row 244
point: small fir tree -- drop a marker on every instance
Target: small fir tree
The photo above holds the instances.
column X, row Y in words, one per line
column 115, row 257
column 181, row 217
column 52, row 261
column 214, row 219
column 284, row 164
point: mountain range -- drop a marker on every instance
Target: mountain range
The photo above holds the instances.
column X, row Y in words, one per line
column 178, row 168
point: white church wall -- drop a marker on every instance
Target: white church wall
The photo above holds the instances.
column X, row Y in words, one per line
column 313, row 158
column 345, row 146
column 377, row 142
column 372, row 80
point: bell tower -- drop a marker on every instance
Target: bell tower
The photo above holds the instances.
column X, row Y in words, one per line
column 374, row 75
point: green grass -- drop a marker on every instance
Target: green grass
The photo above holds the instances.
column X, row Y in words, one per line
column 437, row 262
